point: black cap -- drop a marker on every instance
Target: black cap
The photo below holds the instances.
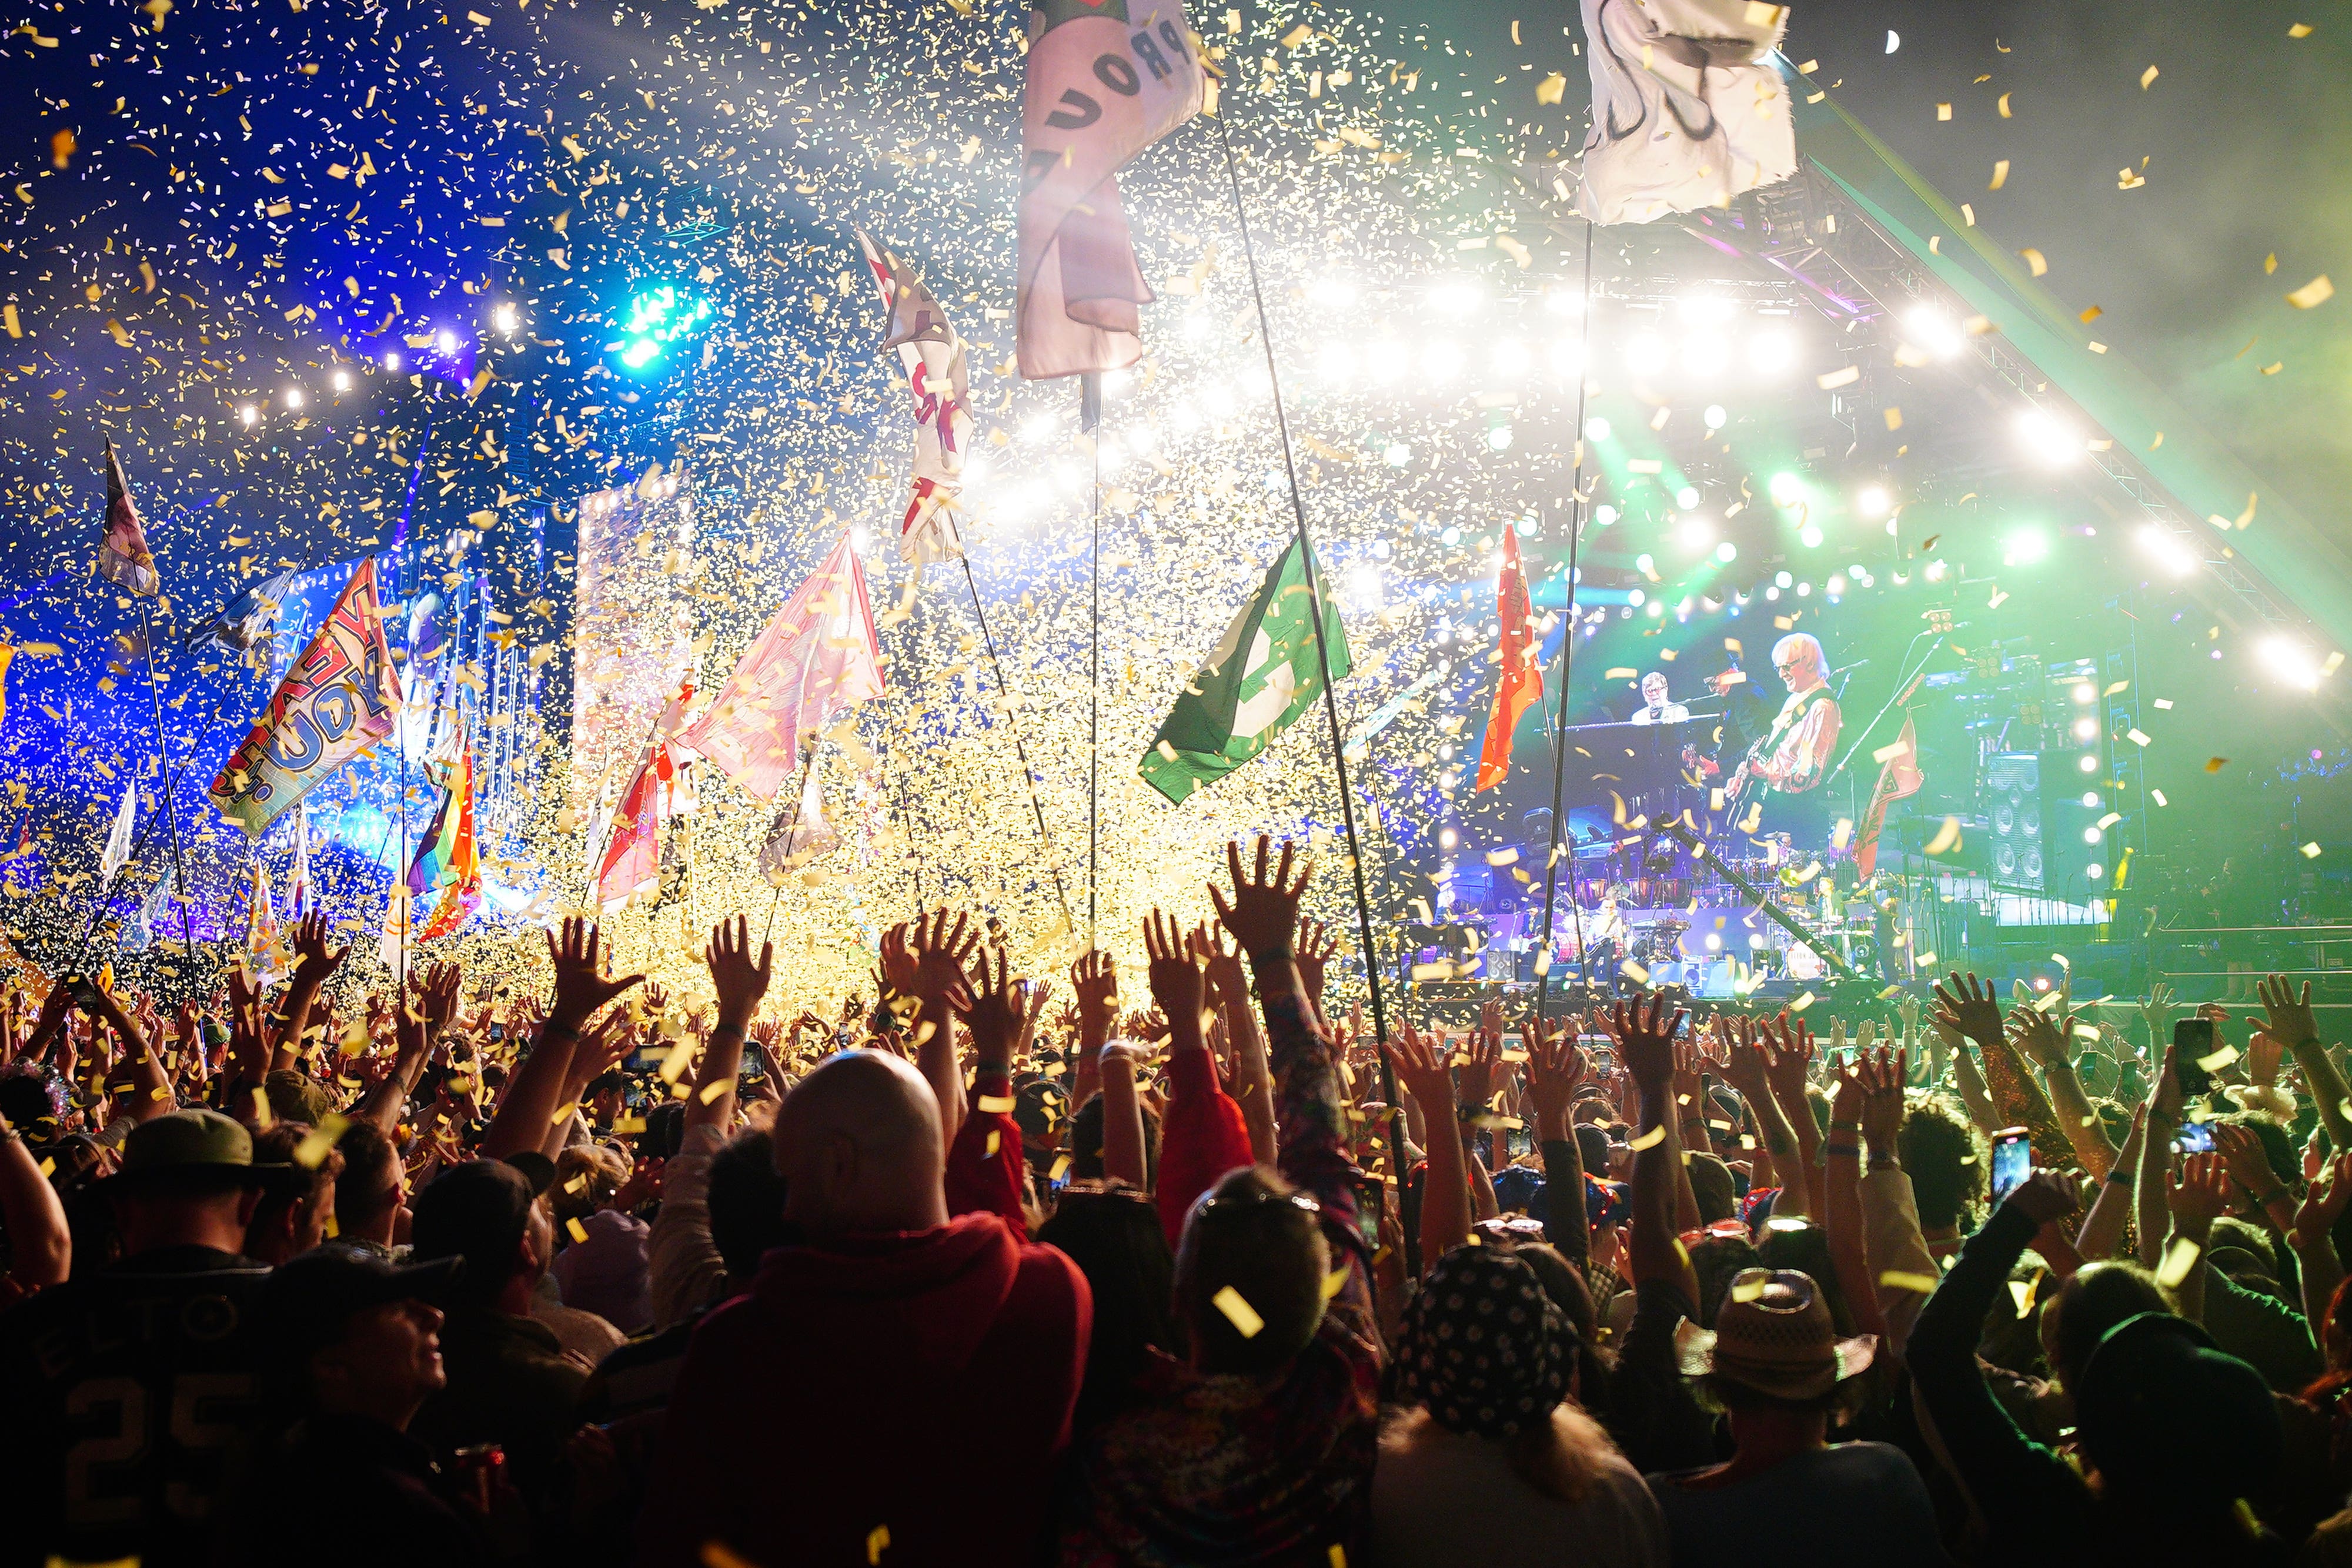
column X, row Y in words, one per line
column 2166, row 1415
column 309, row 1298
column 537, row 1169
column 477, row 1211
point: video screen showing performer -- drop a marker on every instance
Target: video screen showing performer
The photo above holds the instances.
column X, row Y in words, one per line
column 1656, row 708
column 1790, row 760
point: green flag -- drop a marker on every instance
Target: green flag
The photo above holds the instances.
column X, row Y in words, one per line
column 1260, row 677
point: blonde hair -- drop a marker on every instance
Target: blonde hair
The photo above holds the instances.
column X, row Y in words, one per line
column 1561, row 1460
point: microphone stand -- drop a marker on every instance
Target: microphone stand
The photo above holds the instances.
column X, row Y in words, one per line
column 1904, row 688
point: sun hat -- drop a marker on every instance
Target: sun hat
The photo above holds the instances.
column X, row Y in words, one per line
column 1774, row 1335
column 1483, row 1345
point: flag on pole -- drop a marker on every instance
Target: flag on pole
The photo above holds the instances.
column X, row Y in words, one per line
column 123, row 557
column 818, row 656
column 297, row 881
column 1258, row 679
column 336, row 701
column 1899, row 778
column 1688, row 110
column 393, row 944
column 112, row 858
column 660, row 790
column 932, row 354
column 151, row 909
column 800, row 832
column 1107, row 78
column 247, row 626
column 1520, row 684
column 448, row 860
column 266, row 958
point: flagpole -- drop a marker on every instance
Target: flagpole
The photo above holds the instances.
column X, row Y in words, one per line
column 1565, row 667
column 1090, row 420
column 1021, row 753
column 1330, row 704
column 170, row 780
column 799, row 799
column 400, row 719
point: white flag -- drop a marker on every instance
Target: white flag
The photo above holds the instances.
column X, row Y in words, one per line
column 801, row 834
column 298, row 880
column 118, row 840
column 1688, row 110
column 395, row 927
column 932, row 354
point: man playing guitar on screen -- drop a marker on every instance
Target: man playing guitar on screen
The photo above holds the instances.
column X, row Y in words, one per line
column 1789, row 760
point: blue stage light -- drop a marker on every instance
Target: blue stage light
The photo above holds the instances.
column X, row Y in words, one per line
column 656, row 318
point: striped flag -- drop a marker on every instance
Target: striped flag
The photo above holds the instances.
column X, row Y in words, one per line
column 931, row 352
column 447, row 860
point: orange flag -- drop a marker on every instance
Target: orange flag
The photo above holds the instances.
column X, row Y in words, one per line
column 1520, row 684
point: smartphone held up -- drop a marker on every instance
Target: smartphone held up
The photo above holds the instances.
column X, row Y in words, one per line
column 2012, row 1161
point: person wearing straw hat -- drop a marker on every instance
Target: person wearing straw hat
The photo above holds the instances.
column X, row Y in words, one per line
column 1775, row 1365
column 124, row 1391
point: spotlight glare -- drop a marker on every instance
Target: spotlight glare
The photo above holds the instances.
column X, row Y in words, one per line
column 1687, row 497
column 2291, row 663
column 293, row 397
column 1511, row 358
column 2048, row 441
column 2085, row 691
column 1499, row 438
column 1605, row 515
column 1935, row 333
column 1440, row 360
column 1873, row 502
column 1726, row 552
column 445, row 341
column 2088, row 762
column 342, row 380
column 1715, row 417
column 506, row 318
column 1812, row 536
column 1566, row 359
column 1704, row 354
column 392, row 359
column 1786, row 489
column 1397, row 454
column 1771, row 352
column 1455, row 298
column 1596, row 429
column 1646, row 354
column 249, row 413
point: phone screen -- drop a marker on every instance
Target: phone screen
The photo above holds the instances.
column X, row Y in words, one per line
column 2192, row 1042
column 2196, row 1138
column 2012, row 1161
column 1371, row 1200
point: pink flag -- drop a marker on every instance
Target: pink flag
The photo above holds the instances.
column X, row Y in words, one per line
column 632, row 862
column 1898, row 779
column 932, row 354
column 1107, row 79
column 816, row 657
column 123, row 557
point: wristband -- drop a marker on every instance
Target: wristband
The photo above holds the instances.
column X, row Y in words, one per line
column 2271, row 1196
column 1842, row 1149
column 719, row 1029
column 2120, row 1178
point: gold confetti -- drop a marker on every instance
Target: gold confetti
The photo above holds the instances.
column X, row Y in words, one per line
column 2318, row 291
column 2001, row 166
column 1238, row 1312
column 1648, row 1140
column 1897, row 1279
column 2147, row 77
column 2178, row 1258
column 878, row 1542
column 2035, row 260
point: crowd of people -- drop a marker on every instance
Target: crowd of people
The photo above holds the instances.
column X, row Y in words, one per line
column 1175, row 1274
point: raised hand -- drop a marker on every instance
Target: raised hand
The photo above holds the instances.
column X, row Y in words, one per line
column 438, row 997
column 894, row 970
column 1482, row 1055
column 1316, row 947
column 1748, row 1061
column 1908, row 1009
column 1555, row 1072
column 2323, row 1205
column 2198, row 1196
column 993, row 1010
column 1227, row 973
column 317, row 960
column 1968, row 1007
column 1646, row 1042
column 581, row 985
column 1263, row 913
column 941, row 952
column 738, row 980
column 1848, row 1093
column 1421, row 1066
column 1883, row 1076
column 2241, row 1155
column 1792, row 1057
column 1177, row 981
column 2044, row 1042
column 1095, row 978
column 2290, row 1021
column 2043, row 1196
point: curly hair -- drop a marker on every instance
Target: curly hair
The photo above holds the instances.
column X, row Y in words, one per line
column 1945, row 1157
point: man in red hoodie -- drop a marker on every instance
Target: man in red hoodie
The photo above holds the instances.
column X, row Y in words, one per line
column 896, row 1387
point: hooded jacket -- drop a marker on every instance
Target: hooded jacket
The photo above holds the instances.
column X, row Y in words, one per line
column 903, row 1395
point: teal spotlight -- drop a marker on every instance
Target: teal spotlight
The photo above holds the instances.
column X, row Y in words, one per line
column 656, row 318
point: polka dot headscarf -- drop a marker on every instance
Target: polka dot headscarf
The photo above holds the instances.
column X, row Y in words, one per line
column 1483, row 1347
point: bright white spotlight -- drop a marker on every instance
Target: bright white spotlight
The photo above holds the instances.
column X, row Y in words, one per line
column 342, row 380
column 1872, row 502
column 1687, row 497
column 1364, row 586
column 1336, row 291
column 1706, row 354
column 1726, row 552
column 2049, row 442
column 445, row 341
column 1596, row 429
column 1397, row 454
column 506, row 318
column 1499, row 438
column 1566, row 359
column 2291, row 663
column 1037, row 427
column 1458, row 298
column 2087, row 728
column 1387, row 361
column 392, row 359
column 1562, row 302
column 2176, row 557
column 1708, row 309
column 249, row 413
column 1769, row 354
column 293, row 397
column 1646, row 355
column 1933, row 330
column 1511, row 358
column 2088, row 762
column 1715, row 417
column 1337, row 362
column 1606, row 516
column 1695, row 534
column 1440, row 360
column 2085, row 691
column 1812, row 536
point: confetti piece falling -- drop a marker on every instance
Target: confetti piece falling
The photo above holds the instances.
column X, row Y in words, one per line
column 1238, row 1312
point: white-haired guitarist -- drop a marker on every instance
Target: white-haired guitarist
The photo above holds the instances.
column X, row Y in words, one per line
column 1791, row 757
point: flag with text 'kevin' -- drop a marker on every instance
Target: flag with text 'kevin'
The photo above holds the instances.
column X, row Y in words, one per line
column 931, row 352
column 1263, row 673
column 1107, row 78
column 336, row 701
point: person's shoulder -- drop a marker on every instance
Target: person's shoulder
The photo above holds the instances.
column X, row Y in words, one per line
column 1868, row 1464
column 1047, row 1276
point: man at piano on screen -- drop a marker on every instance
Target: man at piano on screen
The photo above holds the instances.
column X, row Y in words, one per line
column 1798, row 749
column 1656, row 708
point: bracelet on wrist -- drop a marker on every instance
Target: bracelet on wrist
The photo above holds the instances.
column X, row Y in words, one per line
column 2271, row 1196
column 2121, row 1177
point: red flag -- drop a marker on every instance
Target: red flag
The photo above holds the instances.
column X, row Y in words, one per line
column 817, row 656
column 1520, row 684
column 1899, row 778
column 1102, row 86
column 123, row 555
column 632, row 862
column 932, row 354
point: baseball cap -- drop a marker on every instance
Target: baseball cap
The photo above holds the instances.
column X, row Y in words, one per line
column 189, row 1149
column 309, row 1298
column 477, row 1211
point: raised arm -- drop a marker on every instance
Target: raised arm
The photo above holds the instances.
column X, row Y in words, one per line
column 2291, row 1023
column 2103, row 1228
column 1749, row 1069
column 1842, row 1173
column 315, row 962
column 1203, row 1133
column 1420, row 1064
column 2197, row 1198
column 150, row 1094
column 1253, row 1078
column 942, row 954
column 1555, row 1071
column 983, row 1162
column 1787, row 1065
column 2313, row 1237
column 741, row 981
column 2050, row 1045
column 1646, row 1044
column 535, row 1091
column 1968, row 1006
column 40, row 1247
column 2163, row 1109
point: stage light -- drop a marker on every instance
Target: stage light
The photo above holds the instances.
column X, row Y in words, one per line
column 2286, row 660
column 1786, row 489
column 1447, row 838
column 1337, row 362
column 1783, row 580
column 1199, row 324
column 2085, row 691
column 1655, row 610
column 1440, row 360
column 1037, row 427
column 1499, row 438
column 2091, row 799
column 1605, row 516
column 445, row 341
column 1511, row 358
column 2092, row 835
column 1835, row 585
column 1386, row 362
column 293, row 397
column 506, row 318
column 1803, row 589
column 2088, row 762
column 1397, row 453
column 1936, row 571
column 1452, row 536
column 1596, row 429
column 1726, row 552
column 1336, row 291
column 1566, row 359
column 656, row 319
column 1695, row 534
column 1715, row 416
column 1774, row 592
column 2049, row 442
column 1687, row 497
column 1810, row 534
column 2087, row 728
column 1458, row 297
column 2024, row 548
column 1931, row 329
column 2094, row 871
column 249, row 413
column 1715, row 941
column 1646, row 355
column 1873, row 502
column 392, row 359
column 342, row 380
column 1771, row 352
column 1710, row 309
column 1647, row 566
column 1704, row 354
column 1637, row 596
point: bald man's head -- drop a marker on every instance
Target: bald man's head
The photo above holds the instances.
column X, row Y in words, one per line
column 858, row 1143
